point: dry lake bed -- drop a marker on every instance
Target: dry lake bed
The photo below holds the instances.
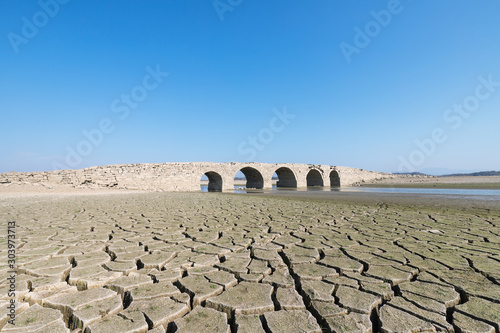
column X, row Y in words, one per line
column 222, row 262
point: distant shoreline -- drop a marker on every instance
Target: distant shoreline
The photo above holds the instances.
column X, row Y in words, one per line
column 463, row 186
column 448, row 182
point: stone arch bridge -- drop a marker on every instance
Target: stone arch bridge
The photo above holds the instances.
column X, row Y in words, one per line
column 259, row 175
column 187, row 176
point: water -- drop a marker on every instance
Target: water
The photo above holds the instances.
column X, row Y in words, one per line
column 477, row 194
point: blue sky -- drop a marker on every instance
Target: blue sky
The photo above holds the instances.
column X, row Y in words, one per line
column 377, row 85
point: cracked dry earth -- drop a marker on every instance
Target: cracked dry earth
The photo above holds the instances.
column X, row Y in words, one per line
column 203, row 262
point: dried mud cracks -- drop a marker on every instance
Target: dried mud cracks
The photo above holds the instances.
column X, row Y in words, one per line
column 224, row 263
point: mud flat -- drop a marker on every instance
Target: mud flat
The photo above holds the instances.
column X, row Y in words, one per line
column 219, row 262
column 464, row 182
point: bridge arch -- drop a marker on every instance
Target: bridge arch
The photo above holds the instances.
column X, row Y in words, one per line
column 314, row 178
column 334, row 179
column 254, row 178
column 286, row 177
column 214, row 181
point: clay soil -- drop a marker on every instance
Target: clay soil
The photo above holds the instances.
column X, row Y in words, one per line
column 125, row 261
